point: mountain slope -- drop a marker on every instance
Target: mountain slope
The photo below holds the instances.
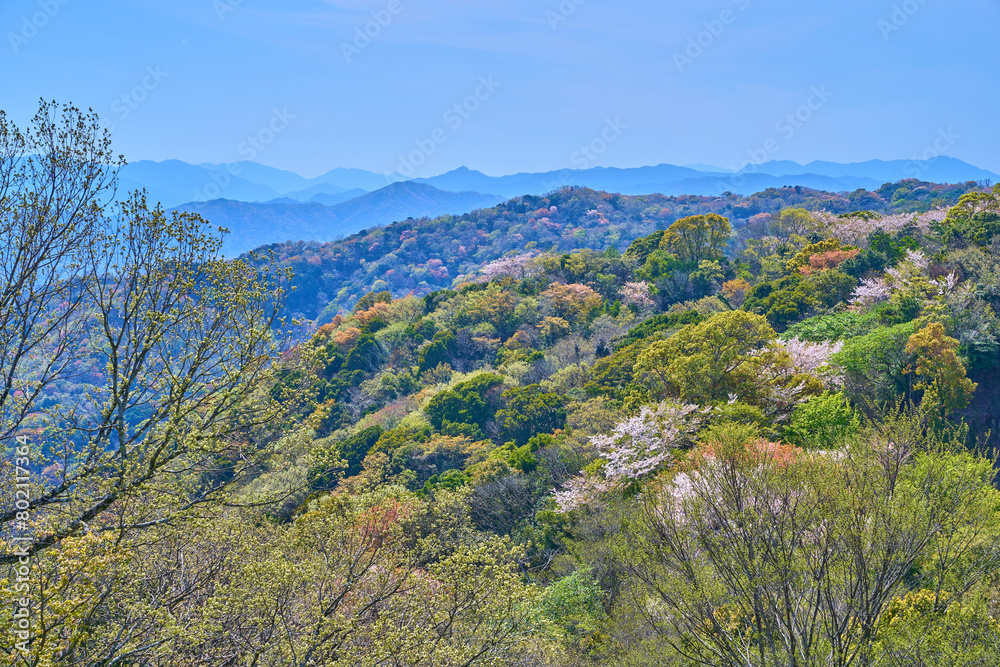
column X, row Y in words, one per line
column 332, row 199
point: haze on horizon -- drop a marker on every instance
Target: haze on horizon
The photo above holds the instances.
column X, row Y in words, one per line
column 516, row 86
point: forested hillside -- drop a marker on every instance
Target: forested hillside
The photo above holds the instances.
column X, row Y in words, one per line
column 420, row 256
column 767, row 446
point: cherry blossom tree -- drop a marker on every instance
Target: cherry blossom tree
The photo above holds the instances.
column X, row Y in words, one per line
column 814, row 358
column 517, row 267
column 871, row 291
column 856, row 230
column 635, row 449
column 637, row 294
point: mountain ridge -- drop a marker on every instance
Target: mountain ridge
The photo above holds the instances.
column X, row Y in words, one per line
column 174, row 182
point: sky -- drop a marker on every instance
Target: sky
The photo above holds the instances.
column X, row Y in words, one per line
column 420, row 87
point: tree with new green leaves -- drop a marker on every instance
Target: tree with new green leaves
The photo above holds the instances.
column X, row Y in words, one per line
column 730, row 353
column 640, row 249
column 765, row 556
column 575, row 604
column 177, row 344
column 794, row 221
column 823, row 422
column 698, row 237
column 922, row 629
column 940, row 371
column 370, row 299
column 530, row 411
column 974, row 220
column 438, row 351
column 793, row 297
column 874, row 365
column 469, row 402
column 360, row 580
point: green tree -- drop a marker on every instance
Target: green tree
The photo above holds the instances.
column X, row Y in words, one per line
column 769, row 558
column 791, row 298
column 370, row 299
column 438, row 351
column 179, row 342
column 874, row 365
column 921, row 629
column 823, row 422
column 974, row 220
column 468, row 403
column 730, row 353
column 698, row 237
column 530, row 411
column 941, row 372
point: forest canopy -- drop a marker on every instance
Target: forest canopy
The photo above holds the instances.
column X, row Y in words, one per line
column 688, row 431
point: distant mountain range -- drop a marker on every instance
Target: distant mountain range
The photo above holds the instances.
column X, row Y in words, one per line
column 672, row 180
column 173, row 182
column 262, row 204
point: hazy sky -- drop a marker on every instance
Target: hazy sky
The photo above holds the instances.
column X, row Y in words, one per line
column 298, row 84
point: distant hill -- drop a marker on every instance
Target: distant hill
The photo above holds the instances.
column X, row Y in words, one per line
column 339, row 198
column 353, row 178
column 254, row 224
column 716, row 184
column 315, row 190
column 942, row 169
column 598, row 178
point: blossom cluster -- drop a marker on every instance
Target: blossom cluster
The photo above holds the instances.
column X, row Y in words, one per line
column 813, row 358
column 855, row 231
column 580, row 492
column 637, row 294
column 871, row 291
column 641, row 444
column 635, row 448
column 517, row 267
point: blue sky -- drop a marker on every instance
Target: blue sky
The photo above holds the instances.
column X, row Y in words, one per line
column 534, row 80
